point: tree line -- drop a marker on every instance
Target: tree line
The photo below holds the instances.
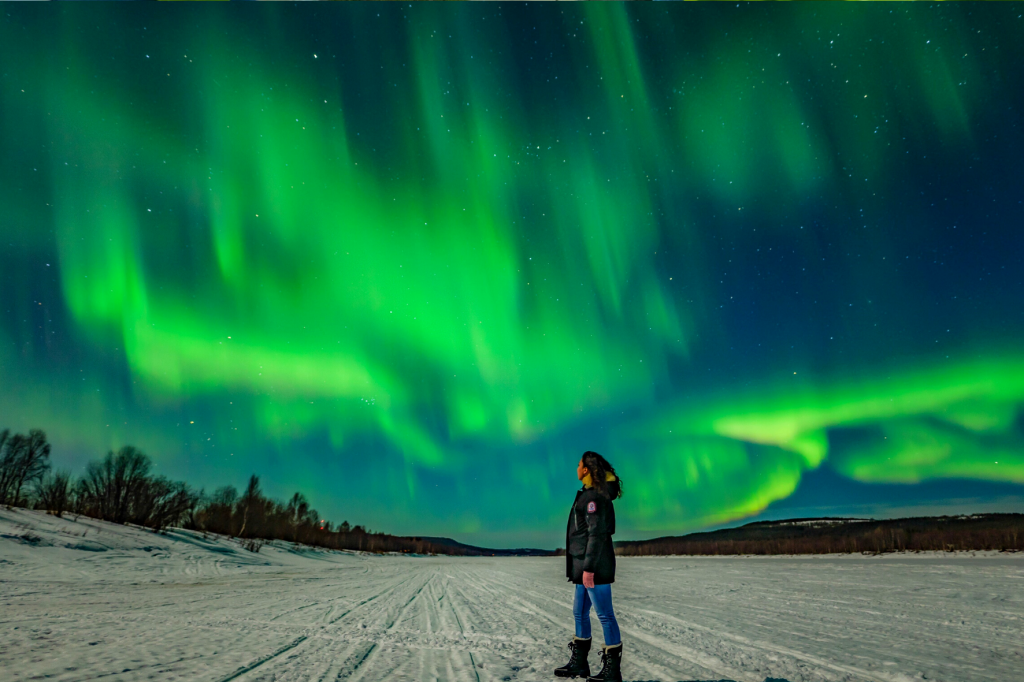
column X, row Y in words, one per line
column 1004, row 532
column 122, row 488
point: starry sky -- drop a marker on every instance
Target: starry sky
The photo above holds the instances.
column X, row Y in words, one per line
column 413, row 260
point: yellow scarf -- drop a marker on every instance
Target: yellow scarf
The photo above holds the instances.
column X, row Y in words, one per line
column 589, row 482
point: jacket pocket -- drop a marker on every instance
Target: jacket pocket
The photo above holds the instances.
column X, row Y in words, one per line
column 577, row 545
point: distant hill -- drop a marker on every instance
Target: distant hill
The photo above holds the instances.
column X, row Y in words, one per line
column 470, row 550
column 839, row 535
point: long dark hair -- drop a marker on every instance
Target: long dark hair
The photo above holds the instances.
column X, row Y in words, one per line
column 599, row 468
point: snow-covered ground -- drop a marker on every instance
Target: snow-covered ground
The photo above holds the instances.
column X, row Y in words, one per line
column 87, row 600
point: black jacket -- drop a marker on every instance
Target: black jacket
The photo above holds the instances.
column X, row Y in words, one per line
column 588, row 536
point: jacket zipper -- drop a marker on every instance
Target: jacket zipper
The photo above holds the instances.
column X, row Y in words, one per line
column 575, row 519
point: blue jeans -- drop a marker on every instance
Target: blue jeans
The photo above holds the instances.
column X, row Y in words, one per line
column 601, row 597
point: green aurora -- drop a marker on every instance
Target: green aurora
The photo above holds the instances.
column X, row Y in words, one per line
column 413, row 260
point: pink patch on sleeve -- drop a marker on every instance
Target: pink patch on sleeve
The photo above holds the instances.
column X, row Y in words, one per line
column 591, row 507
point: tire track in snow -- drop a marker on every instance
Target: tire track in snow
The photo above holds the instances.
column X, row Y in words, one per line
column 141, row 667
column 365, row 663
column 265, row 659
column 324, row 647
column 295, row 610
column 702, row 661
column 769, row 649
column 370, row 599
column 462, row 631
column 405, row 607
column 357, row 670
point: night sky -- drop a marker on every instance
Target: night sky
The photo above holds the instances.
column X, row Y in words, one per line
column 413, row 260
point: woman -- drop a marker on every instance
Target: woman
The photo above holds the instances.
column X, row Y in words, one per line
column 590, row 564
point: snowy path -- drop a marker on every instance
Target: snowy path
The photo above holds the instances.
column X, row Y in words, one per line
column 125, row 604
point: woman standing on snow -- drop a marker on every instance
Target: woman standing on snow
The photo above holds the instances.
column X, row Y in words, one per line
column 590, row 564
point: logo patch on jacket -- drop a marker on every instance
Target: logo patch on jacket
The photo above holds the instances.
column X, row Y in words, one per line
column 591, row 507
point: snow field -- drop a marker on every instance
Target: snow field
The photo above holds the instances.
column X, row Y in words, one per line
column 90, row 600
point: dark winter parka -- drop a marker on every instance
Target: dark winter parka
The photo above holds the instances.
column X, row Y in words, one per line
column 588, row 537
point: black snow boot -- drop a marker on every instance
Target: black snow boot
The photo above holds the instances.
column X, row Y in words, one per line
column 577, row 665
column 611, row 659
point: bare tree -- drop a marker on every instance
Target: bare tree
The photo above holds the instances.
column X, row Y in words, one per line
column 8, row 453
column 163, row 503
column 250, row 502
column 114, row 484
column 54, row 492
column 300, row 515
column 217, row 512
column 23, row 460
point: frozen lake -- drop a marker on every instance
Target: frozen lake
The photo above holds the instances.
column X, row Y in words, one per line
column 86, row 600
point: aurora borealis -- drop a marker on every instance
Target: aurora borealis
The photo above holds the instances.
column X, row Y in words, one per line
column 412, row 260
